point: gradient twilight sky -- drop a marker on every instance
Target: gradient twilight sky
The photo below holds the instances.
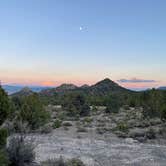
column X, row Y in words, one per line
column 49, row 42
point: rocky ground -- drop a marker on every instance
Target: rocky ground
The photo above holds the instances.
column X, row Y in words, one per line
column 125, row 138
column 98, row 151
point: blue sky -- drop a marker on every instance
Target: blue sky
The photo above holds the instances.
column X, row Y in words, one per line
column 41, row 41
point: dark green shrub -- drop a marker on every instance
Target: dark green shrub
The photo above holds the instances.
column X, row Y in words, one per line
column 132, row 101
column 75, row 104
column 84, row 110
column 46, row 129
column 94, row 108
column 150, row 134
column 3, row 158
column 57, row 124
column 114, row 105
column 20, row 152
column 5, row 106
column 122, row 127
column 126, row 107
column 71, row 110
column 112, row 108
column 75, row 162
column 87, row 120
column 152, row 101
column 61, row 116
column 33, row 112
column 163, row 111
column 3, row 137
column 54, row 162
column 61, row 162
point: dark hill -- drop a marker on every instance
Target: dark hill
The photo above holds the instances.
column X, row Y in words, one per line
column 65, row 87
column 162, row 88
column 58, row 90
column 23, row 92
column 101, row 88
column 105, row 87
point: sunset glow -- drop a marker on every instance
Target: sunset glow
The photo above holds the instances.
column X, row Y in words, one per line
column 82, row 43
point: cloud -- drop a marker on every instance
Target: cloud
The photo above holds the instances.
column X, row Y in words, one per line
column 136, row 80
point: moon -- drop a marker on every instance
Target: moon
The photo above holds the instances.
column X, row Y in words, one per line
column 80, row 28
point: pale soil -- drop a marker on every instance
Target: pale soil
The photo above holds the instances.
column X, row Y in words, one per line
column 99, row 145
column 96, row 150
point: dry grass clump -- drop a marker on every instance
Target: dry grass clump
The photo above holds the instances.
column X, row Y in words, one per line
column 62, row 162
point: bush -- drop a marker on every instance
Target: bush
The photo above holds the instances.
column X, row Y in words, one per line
column 75, row 104
column 71, row 110
column 87, row 120
column 57, row 124
column 3, row 158
column 3, row 137
column 113, row 106
column 61, row 116
column 100, row 130
column 46, row 129
column 54, row 162
column 5, row 106
column 153, row 103
column 21, row 127
column 112, row 109
column 75, row 162
column 20, row 152
column 33, row 112
column 94, row 108
column 126, row 107
column 61, row 162
column 132, row 103
column 150, row 134
column 163, row 111
column 84, row 110
column 122, row 127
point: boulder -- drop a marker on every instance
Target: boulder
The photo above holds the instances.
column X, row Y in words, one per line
column 130, row 140
column 137, row 132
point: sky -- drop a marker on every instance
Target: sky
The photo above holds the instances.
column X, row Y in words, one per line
column 49, row 42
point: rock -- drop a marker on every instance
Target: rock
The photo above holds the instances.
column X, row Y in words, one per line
column 150, row 134
column 130, row 140
column 119, row 118
column 131, row 123
column 142, row 124
column 100, row 130
column 82, row 129
column 67, row 123
column 46, row 129
column 137, row 132
column 120, row 134
column 141, row 139
column 132, row 108
column 33, row 164
column 155, row 121
column 139, row 115
column 112, row 126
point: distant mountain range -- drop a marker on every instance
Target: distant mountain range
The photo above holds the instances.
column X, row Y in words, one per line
column 162, row 88
column 10, row 89
column 101, row 88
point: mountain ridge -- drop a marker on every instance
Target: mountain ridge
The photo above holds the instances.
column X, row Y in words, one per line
column 11, row 89
column 102, row 87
